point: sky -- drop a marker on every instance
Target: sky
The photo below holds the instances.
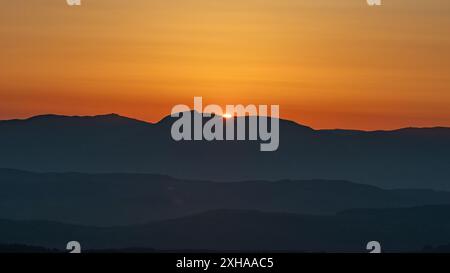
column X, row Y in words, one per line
column 327, row 63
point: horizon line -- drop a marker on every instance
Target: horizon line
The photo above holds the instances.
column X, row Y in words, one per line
column 169, row 115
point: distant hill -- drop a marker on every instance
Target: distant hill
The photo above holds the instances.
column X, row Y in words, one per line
column 405, row 230
column 406, row 158
column 123, row 199
column 14, row 248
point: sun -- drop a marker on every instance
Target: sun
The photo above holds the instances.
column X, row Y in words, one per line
column 227, row 115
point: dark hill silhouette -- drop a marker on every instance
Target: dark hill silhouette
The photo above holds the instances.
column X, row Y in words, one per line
column 120, row 199
column 15, row 248
column 239, row 230
column 406, row 158
column 437, row 249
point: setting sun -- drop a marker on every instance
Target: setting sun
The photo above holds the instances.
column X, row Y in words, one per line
column 227, row 116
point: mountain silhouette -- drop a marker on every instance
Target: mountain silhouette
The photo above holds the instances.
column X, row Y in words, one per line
column 124, row 199
column 405, row 158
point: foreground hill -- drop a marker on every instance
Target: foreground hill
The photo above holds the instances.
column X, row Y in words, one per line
column 406, row 230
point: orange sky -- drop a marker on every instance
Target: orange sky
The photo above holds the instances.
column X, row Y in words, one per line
column 327, row 63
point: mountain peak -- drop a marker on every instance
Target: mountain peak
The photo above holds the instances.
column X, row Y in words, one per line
column 167, row 120
column 57, row 117
column 53, row 119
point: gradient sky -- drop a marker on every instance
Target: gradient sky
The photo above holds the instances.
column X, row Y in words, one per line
column 327, row 63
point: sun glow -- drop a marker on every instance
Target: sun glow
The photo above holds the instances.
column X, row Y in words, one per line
column 227, row 116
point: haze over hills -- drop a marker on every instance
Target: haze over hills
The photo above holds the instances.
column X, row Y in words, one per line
column 124, row 199
column 405, row 158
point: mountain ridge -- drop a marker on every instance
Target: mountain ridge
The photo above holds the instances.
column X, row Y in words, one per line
column 405, row 158
column 112, row 116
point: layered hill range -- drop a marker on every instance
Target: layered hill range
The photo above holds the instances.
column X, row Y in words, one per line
column 113, row 182
column 398, row 230
column 129, row 199
column 404, row 158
